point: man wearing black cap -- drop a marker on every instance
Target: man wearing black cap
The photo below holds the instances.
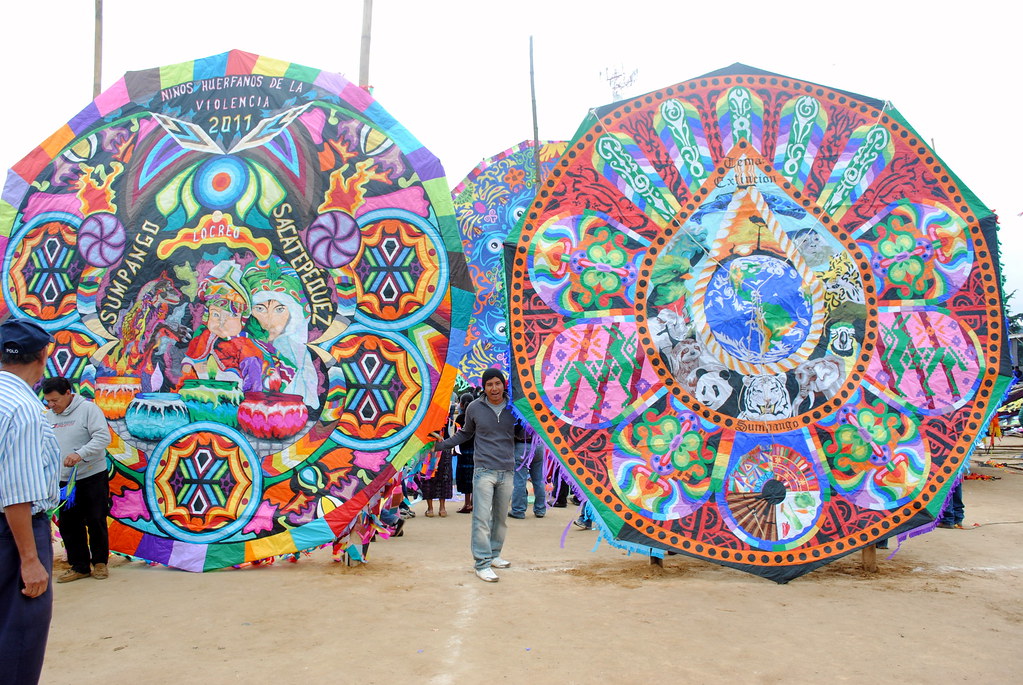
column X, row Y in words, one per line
column 489, row 420
column 29, row 467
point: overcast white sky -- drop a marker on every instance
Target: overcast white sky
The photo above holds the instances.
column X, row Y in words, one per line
column 456, row 72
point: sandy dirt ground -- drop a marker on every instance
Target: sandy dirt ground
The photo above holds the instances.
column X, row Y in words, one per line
column 948, row 607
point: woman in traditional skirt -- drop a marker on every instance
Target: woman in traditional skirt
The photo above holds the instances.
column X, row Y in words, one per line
column 994, row 431
column 438, row 486
column 463, row 473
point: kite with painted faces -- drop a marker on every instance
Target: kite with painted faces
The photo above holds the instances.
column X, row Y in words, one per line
column 758, row 320
column 252, row 268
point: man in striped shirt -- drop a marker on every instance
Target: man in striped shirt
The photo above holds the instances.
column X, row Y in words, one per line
column 29, row 466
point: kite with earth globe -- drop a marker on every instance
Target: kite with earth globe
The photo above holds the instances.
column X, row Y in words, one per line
column 759, row 321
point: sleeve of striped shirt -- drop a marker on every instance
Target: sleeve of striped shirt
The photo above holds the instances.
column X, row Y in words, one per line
column 22, row 476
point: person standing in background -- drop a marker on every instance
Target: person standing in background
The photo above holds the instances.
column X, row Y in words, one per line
column 531, row 470
column 955, row 510
column 466, row 465
column 994, row 431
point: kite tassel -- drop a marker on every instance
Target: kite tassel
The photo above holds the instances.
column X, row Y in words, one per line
column 69, row 492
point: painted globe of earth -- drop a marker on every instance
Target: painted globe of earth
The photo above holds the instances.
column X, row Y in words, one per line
column 758, row 308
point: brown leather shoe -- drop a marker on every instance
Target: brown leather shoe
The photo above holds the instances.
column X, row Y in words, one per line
column 72, row 574
column 99, row 572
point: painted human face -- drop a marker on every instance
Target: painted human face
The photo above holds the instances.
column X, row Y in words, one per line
column 223, row 323
column 494, row 389
column 273, row 316
column 58, row 402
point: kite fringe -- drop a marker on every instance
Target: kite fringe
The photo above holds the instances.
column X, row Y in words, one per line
column 604, row 534
column 533, row 442
column 342, row 547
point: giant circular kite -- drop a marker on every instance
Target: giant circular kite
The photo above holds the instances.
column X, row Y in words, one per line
column 250, row 266
column 758, row 320
column 489, row 202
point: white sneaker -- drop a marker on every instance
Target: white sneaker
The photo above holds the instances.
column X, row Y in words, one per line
column 500, row 563
column 486, row 575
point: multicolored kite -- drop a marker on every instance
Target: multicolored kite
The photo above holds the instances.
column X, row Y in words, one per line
column 254, row 270
column 488, row 204
column 758, row 320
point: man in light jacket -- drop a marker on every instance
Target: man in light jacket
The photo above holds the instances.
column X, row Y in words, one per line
column 83, row 435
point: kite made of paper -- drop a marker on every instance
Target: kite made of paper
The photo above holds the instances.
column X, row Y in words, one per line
column 251, row 267
column 758, row 320
column 488, row 204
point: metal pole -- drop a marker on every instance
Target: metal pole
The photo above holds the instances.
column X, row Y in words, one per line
column 97, row 57
column 536, row 132
column 367, row 23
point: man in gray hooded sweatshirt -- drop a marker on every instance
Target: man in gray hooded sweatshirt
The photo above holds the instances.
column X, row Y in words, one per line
column 489, row 419
column 83, row 435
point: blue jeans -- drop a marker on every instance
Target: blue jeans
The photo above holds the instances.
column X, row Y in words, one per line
column 534, row 472
column 587, row 514
column 491, row 495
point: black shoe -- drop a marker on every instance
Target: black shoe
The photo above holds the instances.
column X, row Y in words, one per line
column 540, row 515
column 945, row 525
column 516, row 516
column 585, row 525
column 559, row 505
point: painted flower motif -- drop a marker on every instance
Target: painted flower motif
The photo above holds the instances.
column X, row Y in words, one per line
column 604, row 268
column 905, row 266
column 866, row 437
column 672, row 450
column 515, row 178
column 228, row 183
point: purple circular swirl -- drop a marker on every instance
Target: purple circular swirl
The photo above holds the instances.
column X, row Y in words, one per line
column 101, row 239
column 333, row 239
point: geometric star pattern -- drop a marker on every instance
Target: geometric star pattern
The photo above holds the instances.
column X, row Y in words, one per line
column 204, row 482
column 398, row 270
column 45, row 270
column 382, row 386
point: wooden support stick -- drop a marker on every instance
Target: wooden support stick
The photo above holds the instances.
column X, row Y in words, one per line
column 870, row 559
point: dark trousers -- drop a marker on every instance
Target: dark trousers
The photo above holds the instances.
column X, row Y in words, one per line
column 83, row 527
column 955, row 511
column 561, row 491
column 24, row 622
